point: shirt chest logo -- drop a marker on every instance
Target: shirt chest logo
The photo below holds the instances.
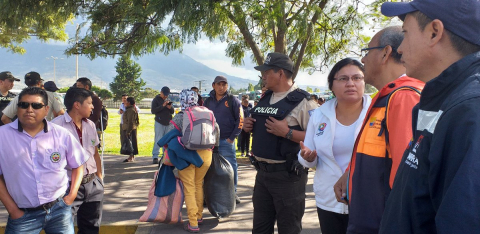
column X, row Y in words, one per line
column 321, row 129
column 55, row 157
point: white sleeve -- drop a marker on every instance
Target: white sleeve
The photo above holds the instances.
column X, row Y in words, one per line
column 309, row 142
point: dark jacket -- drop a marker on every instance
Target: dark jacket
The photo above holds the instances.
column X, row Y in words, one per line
column 229, row 119
column 163, row 115
column 179, row 156
column 438, row 181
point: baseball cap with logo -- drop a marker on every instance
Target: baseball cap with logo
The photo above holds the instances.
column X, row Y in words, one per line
column 32, row 78
column 8, row 75
column 274, row 60
column 461, row 17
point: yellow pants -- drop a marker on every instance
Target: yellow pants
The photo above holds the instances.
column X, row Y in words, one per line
column 192, row 178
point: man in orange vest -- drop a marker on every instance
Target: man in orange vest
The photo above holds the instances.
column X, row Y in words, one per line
column 384, row 136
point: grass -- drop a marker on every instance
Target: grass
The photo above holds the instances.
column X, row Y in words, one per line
column 145, row 133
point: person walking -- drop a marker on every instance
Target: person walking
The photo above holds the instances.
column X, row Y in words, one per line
column 163, row 110
column 88, row 204
column 6, row 84
column 130, row 124
column 245, row 136
column 438, row 180
column 228, row 112
column 34, row 158
column 329, row 139
column 385, row 133
column 278, row 124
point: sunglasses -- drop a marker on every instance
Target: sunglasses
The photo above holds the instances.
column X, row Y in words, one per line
column 35, row 105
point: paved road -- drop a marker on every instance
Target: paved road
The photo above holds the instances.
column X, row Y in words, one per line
column 126, row 192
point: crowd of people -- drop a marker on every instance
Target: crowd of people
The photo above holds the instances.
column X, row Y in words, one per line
column 404, row 160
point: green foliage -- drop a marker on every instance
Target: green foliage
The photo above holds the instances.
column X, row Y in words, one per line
column 148, row 93
column 308, row 89
column 104, row 94
column 317, row 90
column 46, row 19
column 127, row 79
column 63, row 90
column 370, row 89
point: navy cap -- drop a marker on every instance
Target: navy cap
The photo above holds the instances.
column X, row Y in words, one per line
column 276, row 60
column 165, row 90
column 219, row 79
column 461, row 17
column 50, row 86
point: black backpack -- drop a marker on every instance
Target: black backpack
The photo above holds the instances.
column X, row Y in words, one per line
column 104, row 118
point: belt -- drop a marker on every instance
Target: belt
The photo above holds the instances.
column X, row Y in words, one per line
column 86, row 179
column 45, row 206
column 272, row 167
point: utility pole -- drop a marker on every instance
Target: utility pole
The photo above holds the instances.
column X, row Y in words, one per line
column 54, row 58
column 199, row 85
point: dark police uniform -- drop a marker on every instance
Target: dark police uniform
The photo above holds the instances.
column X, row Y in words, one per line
column 4, row 102
column 279, row 192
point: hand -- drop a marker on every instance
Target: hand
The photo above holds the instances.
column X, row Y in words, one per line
column 248, row 124
column 277, row 127
column 165, row 102
column 121, row 111
column 68, row 199
column 340, row 189
column 16, row 214
column 169, row 106
column 306, row 153
column 229, row 141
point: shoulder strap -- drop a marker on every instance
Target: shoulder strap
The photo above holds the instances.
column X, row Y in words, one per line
column 230, row 103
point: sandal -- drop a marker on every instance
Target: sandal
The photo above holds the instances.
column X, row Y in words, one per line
column 189, row 228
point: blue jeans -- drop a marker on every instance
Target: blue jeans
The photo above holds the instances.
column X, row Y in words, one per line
column 160, row 131
column 57, row 219
column 227, row 150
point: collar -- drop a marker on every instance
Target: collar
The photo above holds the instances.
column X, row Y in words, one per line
column 20, row 128
column 281, row 94
column 68, row 118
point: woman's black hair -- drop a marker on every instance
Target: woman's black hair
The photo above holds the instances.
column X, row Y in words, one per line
column 339, row 65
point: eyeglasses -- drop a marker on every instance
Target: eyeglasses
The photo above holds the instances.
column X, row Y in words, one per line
column 35, row 105
column 345, row 79
column 364, row 52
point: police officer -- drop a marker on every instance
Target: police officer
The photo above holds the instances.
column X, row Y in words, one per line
column 6, row 84
column 278, row 124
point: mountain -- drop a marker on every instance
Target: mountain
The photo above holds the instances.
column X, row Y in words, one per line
column 175, row 70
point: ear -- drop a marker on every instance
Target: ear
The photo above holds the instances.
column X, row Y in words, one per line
column 435, row 31
column 213, row 85
column 386, row 52
column 76, row 105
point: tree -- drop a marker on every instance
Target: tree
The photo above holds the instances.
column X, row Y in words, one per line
column 104, row 94
column 313, row 33
column 46, row 19
column 317, row 90
column 308, row 89
column 370, row 89
column 127, row 79
column 148, row 93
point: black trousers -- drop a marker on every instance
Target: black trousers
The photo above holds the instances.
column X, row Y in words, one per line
column 331, row 222
column 278, row 196
column 244, row 141
column 88, row 206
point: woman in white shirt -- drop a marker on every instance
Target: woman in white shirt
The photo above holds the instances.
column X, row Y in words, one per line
column 330, row 137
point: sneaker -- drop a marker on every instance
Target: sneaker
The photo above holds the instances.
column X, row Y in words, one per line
column 155, row 161
column 242, row 155
column 200, row 221
column 189, row 228
column 237, row 199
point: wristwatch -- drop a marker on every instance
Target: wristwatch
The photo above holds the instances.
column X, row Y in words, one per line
column 289, row 134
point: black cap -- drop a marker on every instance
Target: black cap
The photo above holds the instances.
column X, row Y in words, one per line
column 8, row 75
column 50, row 86
column 461, row 17
column 32, row 78
column 219, row 79
column 276, row 60
column 165, row 90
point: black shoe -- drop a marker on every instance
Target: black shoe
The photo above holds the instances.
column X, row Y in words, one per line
column 155, row 161
column 237, row 199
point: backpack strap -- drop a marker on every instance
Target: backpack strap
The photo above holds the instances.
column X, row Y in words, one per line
column 384, row 128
